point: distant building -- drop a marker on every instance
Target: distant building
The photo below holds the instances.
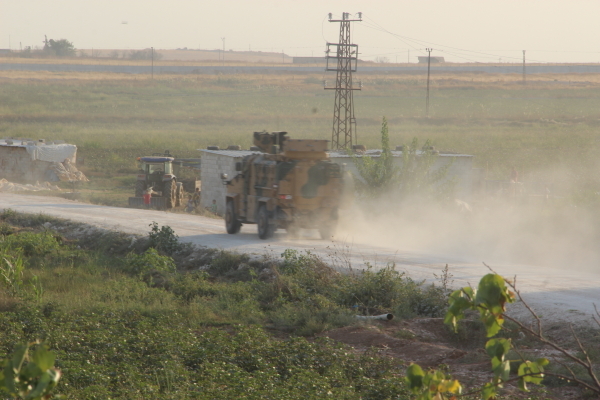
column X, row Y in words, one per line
column 423, row 59
column 4, row 51
column 308, row 60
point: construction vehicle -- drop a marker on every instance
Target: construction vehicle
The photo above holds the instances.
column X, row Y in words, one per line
column 158, row 172
column 291, row 185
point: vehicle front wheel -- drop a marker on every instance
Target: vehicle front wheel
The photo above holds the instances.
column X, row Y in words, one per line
column 232, row 224
column 265, row 229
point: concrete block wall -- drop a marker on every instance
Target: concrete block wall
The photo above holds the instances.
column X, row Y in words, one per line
column 16, row 165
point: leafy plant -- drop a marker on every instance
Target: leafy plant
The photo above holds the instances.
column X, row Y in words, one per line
column 11, row 271
column 378, row 174
column 164, row 239
column 148, row 262
column 33, row 244
column 31, row 377
column 489, row 299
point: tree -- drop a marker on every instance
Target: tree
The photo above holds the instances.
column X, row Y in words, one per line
column 378, row 174
column 145, row 54
column 415, row 176
column 59, row 48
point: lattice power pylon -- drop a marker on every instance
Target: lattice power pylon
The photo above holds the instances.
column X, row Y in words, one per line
column 345, row 56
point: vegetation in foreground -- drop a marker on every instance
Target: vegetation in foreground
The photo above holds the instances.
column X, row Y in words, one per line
column 154, row 319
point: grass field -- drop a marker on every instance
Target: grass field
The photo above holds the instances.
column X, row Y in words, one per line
column 549, row 129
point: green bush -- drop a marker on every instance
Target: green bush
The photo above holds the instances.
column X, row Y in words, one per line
column 33, row 244
column 164, row 239
column 149, row 262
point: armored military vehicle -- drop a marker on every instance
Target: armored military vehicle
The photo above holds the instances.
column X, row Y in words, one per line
column 291, row 184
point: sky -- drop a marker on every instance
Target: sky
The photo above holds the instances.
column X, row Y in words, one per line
column 392, row 30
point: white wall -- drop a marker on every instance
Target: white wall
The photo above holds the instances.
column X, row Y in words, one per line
column 213, row 165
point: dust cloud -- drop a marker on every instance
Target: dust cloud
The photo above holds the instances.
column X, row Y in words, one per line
column 524, row 229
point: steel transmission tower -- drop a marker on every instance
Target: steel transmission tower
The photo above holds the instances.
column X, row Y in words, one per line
column 345, row 56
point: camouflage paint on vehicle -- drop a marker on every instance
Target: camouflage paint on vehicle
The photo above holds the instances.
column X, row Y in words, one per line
column 293, row 180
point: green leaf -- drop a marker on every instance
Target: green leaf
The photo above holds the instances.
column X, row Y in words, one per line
column 414, row 377
column 492, row 323
column 532, row 372
column 43, row 357
column 19, row 357
column 542, row 362
column 9, row 378
column 498, row 348
column 41, row 387
column 31, row 371
column 490, row 293
column 459, row 301
column 489, row 391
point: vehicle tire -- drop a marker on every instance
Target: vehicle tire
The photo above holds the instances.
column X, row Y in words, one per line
column 265, row 229
column 327, row 231
column 232, row 224
column 169, row 192
column 140, row 187
column 179, row 197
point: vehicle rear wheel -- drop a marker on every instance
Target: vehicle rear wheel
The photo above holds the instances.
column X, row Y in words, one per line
column 232, row 224
column 265, row 229
column 169, row 191
column 179, row 197
column 140, row 187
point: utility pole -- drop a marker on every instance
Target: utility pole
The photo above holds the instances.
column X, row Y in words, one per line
column 152, row 56
column 345, row 56
column 223, row 39
column 524, row 81
column 428, row 73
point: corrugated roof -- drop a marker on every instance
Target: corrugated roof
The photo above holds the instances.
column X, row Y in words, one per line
column 231, row 153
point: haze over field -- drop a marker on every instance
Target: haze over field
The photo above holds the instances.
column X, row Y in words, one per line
column 461, row 31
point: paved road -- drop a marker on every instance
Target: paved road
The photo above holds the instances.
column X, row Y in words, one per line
column 556, row 293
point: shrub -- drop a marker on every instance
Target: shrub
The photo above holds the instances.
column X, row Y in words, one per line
column 149, row 262
column 32, row 244
column 164, row 239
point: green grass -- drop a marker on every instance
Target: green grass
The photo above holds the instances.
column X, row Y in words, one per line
column 112, row 122
column 124, row 324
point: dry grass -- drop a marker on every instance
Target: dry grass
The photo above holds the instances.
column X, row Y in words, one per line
column 114, row 118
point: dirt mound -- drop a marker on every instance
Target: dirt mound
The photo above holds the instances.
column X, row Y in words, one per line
column 409, row 350
column 429, row 343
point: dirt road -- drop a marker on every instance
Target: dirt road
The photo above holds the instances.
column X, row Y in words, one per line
column 557, row 294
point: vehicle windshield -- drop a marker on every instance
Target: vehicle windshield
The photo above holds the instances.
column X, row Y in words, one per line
column 155, row 168
column 168, row 168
